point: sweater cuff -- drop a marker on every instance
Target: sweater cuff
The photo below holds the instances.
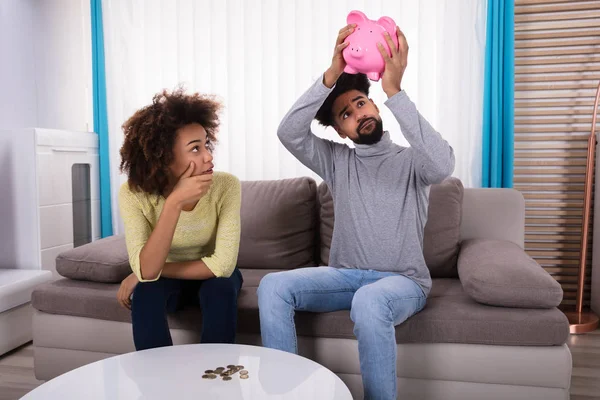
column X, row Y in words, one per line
column 320, row 86
column 398, row 98
column 215, row 268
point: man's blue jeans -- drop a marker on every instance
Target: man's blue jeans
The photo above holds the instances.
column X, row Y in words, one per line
column 378, row 301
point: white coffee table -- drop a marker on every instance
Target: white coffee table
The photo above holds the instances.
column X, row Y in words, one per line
column 176, row 373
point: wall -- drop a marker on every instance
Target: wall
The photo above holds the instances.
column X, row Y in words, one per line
column 64, row 72
column 18, row 105
column 45, row 72
column 556, row 73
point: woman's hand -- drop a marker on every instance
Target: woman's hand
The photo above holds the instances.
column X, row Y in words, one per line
column 126, row 289
column 189, row 189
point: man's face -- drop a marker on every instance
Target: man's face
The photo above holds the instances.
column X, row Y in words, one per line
column 356, row 117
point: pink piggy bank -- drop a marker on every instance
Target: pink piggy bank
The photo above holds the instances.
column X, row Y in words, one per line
column 362, row 54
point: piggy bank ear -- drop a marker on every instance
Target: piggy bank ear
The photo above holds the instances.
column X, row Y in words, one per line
column 388, row 24
column 355, row 17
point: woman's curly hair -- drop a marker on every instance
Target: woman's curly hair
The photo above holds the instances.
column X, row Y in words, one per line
column 150, row 134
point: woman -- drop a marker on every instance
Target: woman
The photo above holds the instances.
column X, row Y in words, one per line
column 182, row 220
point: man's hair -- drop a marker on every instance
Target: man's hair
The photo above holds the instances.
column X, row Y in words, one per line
column 345, row 83
column 150, row 134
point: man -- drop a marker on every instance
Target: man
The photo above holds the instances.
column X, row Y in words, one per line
column 380, row 192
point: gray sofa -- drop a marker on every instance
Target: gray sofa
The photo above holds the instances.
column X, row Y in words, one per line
column 490, row 329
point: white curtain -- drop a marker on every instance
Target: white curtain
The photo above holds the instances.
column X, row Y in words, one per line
column 258, row 56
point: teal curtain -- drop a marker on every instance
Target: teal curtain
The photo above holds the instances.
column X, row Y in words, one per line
column 100, row 116
column 498, row 107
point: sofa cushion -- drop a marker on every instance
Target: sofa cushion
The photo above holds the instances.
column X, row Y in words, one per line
column 500, row 273
column 450, row 315
column 103, row 260
column 252, row 277
column 99, row 300
column 441, row 238
column 279, row 224
column 325, row 202
column 278, row 231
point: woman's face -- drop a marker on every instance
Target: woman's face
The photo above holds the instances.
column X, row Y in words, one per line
column 191, row 145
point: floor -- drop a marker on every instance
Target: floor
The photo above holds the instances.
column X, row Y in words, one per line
column 16, row 369
column 16, row 373
column 585, row 382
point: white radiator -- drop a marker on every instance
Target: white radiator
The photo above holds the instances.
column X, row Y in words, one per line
column 49, row 195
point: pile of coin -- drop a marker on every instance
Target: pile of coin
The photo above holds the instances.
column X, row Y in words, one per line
column 226, row 374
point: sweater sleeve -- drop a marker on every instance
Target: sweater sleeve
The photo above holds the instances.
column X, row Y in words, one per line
column 434, row 157
column 296, row 136
column 224, row 259
column 137, row 229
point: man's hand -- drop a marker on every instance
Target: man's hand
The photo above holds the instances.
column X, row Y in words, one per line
column 337, row 62
column 394, row 65
column 126, row 289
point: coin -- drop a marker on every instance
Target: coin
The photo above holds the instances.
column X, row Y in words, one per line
column 209, row 371
column 244, row 376
column 231, row 366
column 219, row 370
column 211, row 376
column 204, row 376
column 243, row 372
column 226, row 378
column 240, row 366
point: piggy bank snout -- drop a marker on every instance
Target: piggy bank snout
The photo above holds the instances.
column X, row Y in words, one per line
column 354, row 50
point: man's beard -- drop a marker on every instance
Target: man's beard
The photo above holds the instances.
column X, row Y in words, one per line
column 369, row 138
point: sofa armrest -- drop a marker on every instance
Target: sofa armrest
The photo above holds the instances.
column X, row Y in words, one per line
column 500, row 273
